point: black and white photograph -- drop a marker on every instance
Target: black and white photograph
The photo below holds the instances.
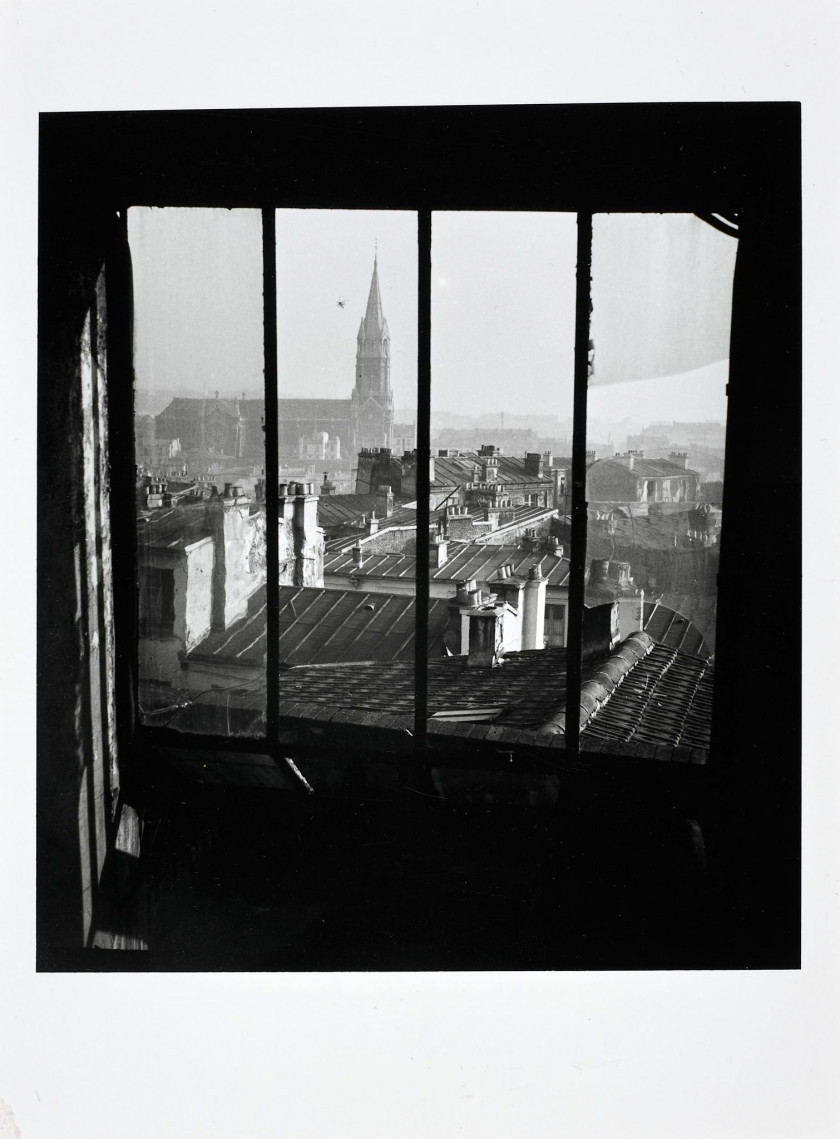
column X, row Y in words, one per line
column 420, row 554
column 419, row 647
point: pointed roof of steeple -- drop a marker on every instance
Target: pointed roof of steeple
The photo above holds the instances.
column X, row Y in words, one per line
column 374, row 325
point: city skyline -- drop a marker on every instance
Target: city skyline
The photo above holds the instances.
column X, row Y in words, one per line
column 503, row 289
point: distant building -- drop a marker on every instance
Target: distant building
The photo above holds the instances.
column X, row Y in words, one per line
column 319, row 446
column 679, row 434
column 372, row 401
column 234, row 427
column 486, row 479
column 632, row 478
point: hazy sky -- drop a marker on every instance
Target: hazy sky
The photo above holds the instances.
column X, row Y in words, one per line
column 503, row 287
column 324, row 256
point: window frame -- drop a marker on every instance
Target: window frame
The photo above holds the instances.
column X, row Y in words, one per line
column 740, row 159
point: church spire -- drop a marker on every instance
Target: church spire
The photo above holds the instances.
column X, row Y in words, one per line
column 374, row 326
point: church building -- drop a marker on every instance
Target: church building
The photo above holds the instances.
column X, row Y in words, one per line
column 233, row 427
column 372, row 402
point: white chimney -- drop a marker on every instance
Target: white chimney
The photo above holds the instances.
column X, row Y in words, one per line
column 533, row 610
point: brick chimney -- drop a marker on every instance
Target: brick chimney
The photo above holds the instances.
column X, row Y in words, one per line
column 533, row 464
column 533, row 610
column 679, row 459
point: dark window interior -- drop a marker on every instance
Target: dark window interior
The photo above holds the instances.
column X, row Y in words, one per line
column 217, row 856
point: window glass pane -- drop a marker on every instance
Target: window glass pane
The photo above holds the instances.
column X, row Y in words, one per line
column 347, row 419
column 656, row 419
column 199, row 406
column 503, row 313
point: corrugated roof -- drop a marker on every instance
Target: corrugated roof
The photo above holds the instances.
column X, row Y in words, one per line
column 646, row 468
column 172, row 527
column 467, row 560
column 346, row 509
column 451, row 470
column 674, row 629
column 326, row 626
column 343, row 509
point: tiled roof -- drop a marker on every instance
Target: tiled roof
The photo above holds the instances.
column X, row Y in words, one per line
column 666, row 698
column 643, row 692
column 644, row 698
column 466, row 560
column 526, row 689
column 320, row 626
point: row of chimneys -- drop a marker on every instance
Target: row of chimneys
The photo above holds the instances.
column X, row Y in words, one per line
column 229, row 521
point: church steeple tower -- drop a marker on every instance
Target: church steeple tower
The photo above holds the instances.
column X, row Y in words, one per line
column 372, row 402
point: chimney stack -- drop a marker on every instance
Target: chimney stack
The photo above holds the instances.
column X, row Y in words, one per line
column 599, row 570
column 485, row 637
column 533, row 464
column 679, row 459
column 228, row 519
column 437, row 551
column 533, row 610
column 301, row 538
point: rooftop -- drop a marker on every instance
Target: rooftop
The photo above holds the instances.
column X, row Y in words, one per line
column 645, row 698
column 455, row 470
column 646, row 468
column 319, row 626
column 465, row 560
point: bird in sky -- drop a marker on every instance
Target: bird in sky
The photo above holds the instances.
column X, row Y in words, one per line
column 342, row 301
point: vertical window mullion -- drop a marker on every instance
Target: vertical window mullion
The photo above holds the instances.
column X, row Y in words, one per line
column 424, row 387
column 578, row 553
column 272, row 474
